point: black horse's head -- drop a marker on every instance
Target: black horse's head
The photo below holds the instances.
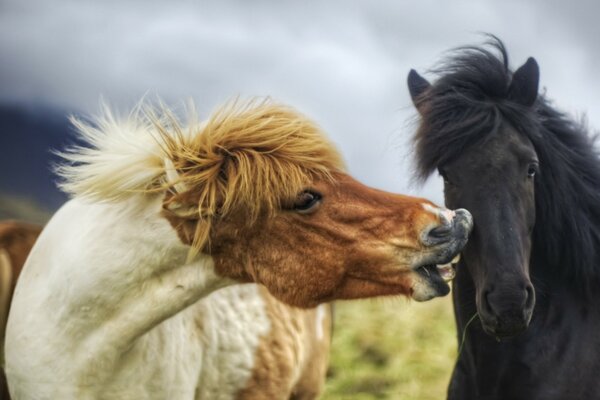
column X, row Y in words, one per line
column 489, row 167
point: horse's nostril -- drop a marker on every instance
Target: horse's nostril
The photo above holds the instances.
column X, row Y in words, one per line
column 487, row 307
column 440, row 232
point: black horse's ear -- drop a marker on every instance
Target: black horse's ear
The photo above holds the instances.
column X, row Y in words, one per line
column 524, row 86
column 417, row 85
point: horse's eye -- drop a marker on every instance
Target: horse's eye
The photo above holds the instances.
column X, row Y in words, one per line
column 532, row 170
column 307, row 202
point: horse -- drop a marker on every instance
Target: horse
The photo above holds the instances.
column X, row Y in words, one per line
column 526, row 290
column 16, row 240
column 124, row 295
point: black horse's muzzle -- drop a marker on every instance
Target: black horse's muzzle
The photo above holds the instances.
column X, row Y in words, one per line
column 505, row 308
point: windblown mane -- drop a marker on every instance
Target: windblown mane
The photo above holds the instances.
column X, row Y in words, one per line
column 468, row 103
column 249, row 156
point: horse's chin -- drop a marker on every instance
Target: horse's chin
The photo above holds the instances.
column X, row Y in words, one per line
column 432, row 281
column 500, row 332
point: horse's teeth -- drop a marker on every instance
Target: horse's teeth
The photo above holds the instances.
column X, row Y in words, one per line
column 446, row 271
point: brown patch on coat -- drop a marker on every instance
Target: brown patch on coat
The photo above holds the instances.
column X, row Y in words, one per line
column 16, row 241
column 291, row 361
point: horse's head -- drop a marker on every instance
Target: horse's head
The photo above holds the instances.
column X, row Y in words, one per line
column 341, row 240
column 267, row 198
column 489, row 167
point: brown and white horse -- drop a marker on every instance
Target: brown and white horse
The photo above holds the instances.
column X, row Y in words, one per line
column 16, row 241
column 132, row 290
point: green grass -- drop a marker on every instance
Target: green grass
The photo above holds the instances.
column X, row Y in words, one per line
column 391, row 349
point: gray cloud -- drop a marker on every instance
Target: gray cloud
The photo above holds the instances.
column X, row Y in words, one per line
column 342, row 63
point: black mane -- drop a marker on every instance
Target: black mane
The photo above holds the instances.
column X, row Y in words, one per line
column 468, row 103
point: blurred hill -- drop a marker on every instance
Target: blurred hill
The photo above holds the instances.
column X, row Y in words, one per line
column 24, row 209
column 28, row 134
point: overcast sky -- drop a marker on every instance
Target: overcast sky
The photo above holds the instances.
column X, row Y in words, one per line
column 343, row 63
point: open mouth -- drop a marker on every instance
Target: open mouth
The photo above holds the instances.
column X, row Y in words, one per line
column 439, row 273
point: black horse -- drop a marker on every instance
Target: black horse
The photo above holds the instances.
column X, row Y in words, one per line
column 529, row 278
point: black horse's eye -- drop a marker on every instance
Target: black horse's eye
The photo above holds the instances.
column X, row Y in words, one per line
column 307, row 202
column 532, row 170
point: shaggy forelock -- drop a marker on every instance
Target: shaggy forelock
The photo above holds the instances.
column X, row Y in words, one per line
column 250, row 157
column 466, row 104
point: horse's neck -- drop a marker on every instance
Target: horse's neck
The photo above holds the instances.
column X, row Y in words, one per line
column 125, row 270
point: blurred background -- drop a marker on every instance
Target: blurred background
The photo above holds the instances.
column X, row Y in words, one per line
column 343, row 63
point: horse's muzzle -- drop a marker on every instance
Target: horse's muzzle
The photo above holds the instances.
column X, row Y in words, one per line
column 505, row 310
column 444, row 243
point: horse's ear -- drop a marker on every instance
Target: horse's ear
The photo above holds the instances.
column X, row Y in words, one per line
column 524, row 86
column 417, row 85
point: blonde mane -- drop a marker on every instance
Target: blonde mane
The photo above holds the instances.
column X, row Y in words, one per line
column 249, row 156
